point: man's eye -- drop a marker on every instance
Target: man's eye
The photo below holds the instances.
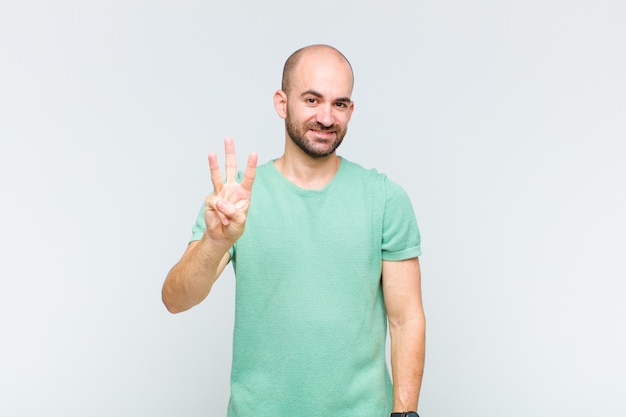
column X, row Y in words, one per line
column 311, row 100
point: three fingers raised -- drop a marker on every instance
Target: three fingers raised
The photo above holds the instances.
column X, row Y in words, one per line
column 231, row 168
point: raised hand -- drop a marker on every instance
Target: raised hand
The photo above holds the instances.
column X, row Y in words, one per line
column 226, row 209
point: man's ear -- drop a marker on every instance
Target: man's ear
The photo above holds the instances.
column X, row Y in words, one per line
column 280, row 103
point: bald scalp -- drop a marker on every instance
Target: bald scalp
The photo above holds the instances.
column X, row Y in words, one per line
column 293, row 60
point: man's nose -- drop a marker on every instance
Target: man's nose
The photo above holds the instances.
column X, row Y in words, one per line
column 325, row 115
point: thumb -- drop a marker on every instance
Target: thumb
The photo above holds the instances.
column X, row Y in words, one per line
column 230, row 211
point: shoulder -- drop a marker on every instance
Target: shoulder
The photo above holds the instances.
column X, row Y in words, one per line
column 354, row 170
column 379, row 181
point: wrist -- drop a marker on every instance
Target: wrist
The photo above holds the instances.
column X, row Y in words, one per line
column 404, row 414
column 212, row 246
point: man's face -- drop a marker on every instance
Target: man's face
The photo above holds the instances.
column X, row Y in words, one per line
column 318, row 105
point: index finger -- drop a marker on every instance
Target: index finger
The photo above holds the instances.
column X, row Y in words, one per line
column 250, row 173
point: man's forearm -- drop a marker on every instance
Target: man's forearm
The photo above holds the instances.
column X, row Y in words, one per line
column 407, row 362
column 191, row 279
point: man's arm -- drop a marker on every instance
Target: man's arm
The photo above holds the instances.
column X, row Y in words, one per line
column 191, row 279
column 407, row 328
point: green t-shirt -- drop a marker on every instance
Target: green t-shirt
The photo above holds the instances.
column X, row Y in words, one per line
column 310, row 321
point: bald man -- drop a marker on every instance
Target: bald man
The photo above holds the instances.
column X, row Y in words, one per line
column 328, row 260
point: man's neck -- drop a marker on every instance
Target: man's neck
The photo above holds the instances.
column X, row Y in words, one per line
column 308, row 172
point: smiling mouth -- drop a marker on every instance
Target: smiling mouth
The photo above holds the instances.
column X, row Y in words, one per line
column 323, row 132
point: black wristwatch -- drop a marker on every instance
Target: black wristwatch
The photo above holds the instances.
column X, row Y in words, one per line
column 405, row 414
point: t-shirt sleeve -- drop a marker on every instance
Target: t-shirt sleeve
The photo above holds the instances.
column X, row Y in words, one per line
column 401, row 236
column 198, row 228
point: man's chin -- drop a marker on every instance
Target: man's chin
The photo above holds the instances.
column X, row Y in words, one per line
column 320, row 152
column 315, row 146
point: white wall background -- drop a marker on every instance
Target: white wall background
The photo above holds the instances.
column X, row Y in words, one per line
column 505, row 121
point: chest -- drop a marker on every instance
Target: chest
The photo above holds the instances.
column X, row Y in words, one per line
column 346, row 222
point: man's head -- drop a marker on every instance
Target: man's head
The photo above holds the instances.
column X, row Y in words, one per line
column 315, row 99
column 294, row 59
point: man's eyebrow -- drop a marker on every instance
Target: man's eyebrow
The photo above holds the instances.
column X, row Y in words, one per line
column 311, row 93
column 319, row 95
